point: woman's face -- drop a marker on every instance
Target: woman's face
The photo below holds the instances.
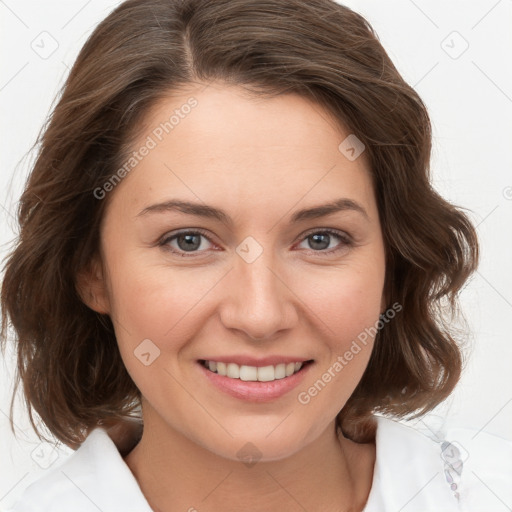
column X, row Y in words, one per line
column 254, row 266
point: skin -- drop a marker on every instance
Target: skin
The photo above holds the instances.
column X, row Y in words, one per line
column 260, row 160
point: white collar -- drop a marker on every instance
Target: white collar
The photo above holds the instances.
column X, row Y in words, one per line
column 92, row 479
column 409, row 472
column 408, row 476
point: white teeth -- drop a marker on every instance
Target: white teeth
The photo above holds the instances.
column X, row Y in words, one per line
column 249, row 373
column 221, row 368
column 233, row 371
column 280, row 371
column 253, row 373
column 266, row 373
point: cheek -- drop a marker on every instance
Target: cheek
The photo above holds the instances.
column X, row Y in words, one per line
column 346, row 300
column 346, row 307
column 158, row 302
column 346, row 303
column 159, row 311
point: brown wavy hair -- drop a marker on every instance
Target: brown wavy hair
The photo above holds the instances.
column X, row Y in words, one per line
column 67, row 355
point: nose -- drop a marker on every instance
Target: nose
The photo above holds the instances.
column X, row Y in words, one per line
column 258, row 300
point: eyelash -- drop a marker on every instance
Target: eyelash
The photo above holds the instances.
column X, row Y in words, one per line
column 345, row 239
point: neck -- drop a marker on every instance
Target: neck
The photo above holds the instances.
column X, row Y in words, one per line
column 174, row 473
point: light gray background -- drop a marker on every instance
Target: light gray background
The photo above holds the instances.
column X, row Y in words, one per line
column 468, row 92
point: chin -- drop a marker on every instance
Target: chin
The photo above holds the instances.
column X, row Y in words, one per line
column 260, row 450
column 258, row 444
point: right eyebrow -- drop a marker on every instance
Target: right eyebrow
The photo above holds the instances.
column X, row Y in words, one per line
column 200, row 210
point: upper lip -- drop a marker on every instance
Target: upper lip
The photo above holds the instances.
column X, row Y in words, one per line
column 242, row 360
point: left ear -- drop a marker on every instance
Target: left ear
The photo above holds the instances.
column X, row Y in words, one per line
column 91, row 286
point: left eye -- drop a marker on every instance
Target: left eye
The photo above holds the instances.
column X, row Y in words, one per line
column 319, row 241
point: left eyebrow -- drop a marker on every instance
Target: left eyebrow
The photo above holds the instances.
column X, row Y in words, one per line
column 338, row 205
column 208, row 211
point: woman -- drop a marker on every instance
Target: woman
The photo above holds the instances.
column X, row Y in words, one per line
column 232, row 266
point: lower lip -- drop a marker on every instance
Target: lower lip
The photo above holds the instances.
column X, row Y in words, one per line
column 255, row 391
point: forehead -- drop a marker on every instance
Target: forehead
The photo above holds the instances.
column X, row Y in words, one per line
column 222, row 145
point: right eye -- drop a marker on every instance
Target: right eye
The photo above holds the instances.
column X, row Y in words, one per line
column 185, row 242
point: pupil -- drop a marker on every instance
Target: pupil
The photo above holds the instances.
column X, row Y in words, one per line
column 189, row 244
column 319, row 238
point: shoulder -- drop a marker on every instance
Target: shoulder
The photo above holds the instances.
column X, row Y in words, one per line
column 94, row 477
column 438, row 472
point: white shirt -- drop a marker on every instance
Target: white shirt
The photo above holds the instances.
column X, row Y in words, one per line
column 409, row 475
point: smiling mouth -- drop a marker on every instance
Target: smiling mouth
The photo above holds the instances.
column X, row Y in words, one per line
column 253, row 373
